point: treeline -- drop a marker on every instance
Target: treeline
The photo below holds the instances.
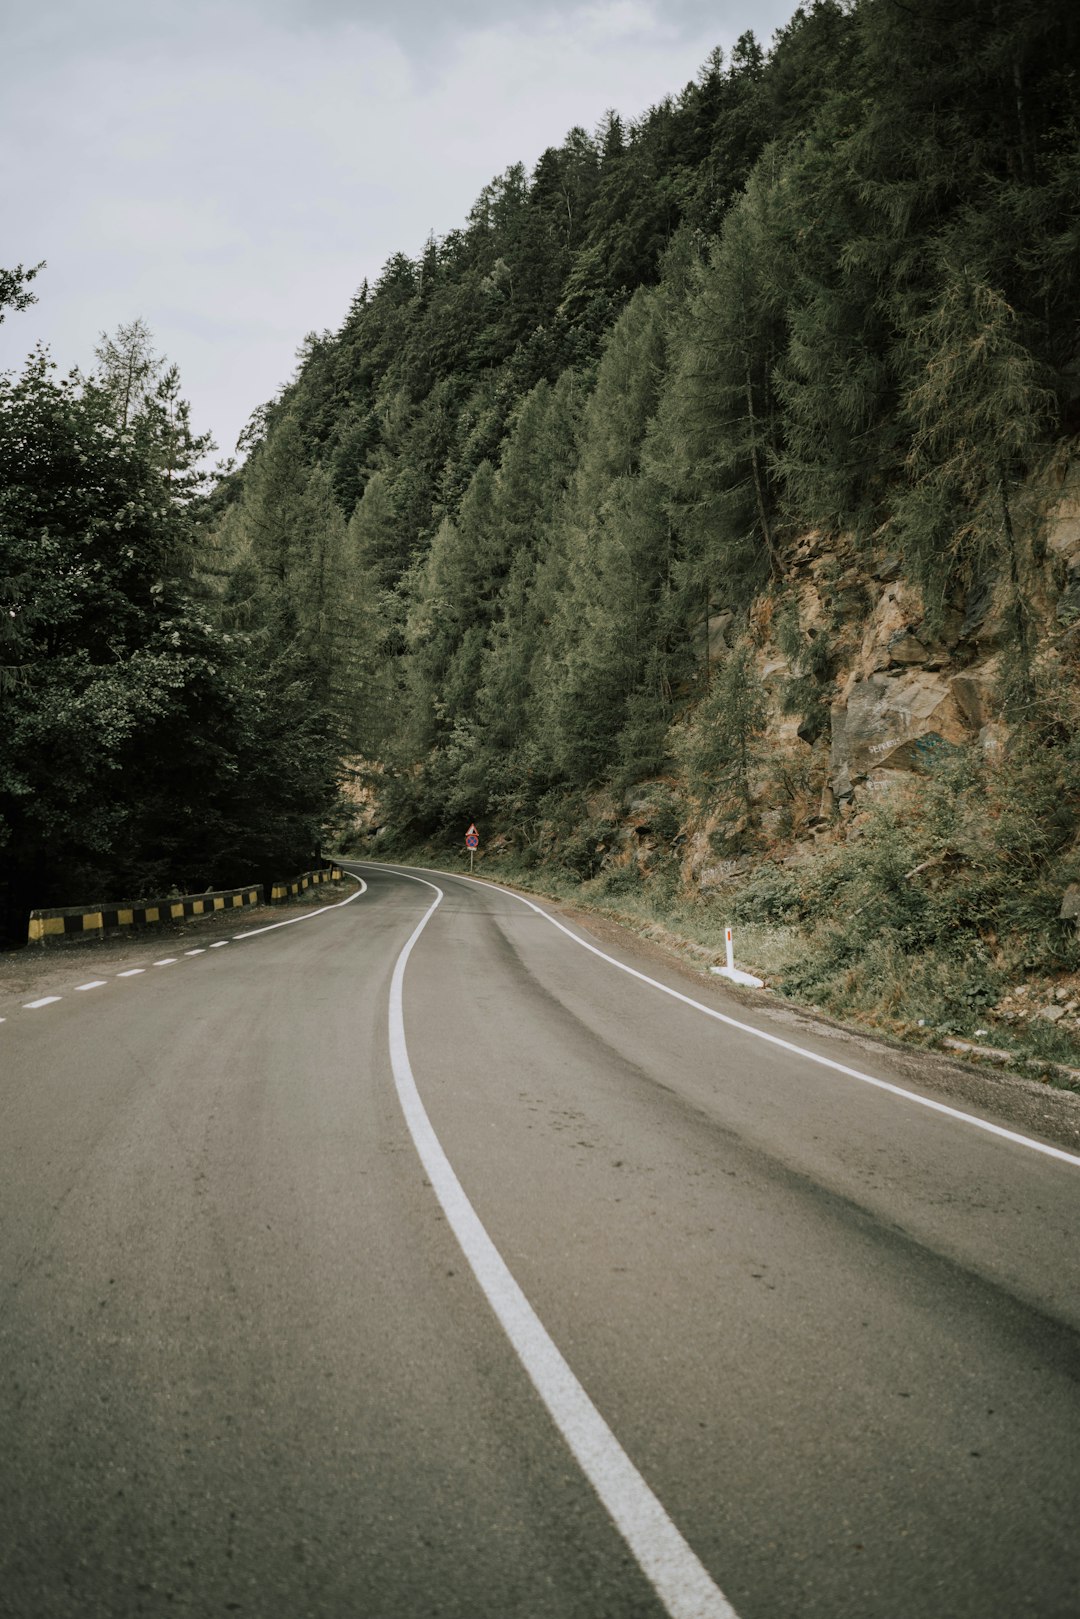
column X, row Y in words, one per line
column 143, row 748
column 480, row 537
column 834, row 285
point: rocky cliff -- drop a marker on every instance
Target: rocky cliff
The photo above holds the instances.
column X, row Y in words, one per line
column 895, row 684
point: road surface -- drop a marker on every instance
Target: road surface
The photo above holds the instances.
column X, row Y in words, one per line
column 375, row 1267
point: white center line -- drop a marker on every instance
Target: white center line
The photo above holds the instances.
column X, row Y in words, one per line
column 46, row 1000
column 95, row 983
column 131, row 972
column 680, row 1580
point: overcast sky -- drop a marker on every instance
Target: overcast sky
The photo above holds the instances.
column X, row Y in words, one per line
column 231, row 171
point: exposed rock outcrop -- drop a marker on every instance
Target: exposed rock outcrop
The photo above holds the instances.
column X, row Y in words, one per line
column 905, row 688
column 892, row 722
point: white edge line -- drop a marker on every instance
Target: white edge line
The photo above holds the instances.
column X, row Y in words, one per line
column 46, row 1000
column 776, row 1040
column 95, row 983
column 292, row 921
column 680, row 1580
column 131, row 972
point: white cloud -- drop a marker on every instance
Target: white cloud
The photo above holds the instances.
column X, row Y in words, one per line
column 232, row 173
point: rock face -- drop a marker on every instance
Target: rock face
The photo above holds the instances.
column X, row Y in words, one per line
column 890, row 638
column 902, row 692
column 892, row 722
column 1070, row 905
column 897, row 690
column 1063, row 549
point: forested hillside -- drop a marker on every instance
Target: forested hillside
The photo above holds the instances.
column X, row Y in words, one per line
column 605, row 487
column 703, row 513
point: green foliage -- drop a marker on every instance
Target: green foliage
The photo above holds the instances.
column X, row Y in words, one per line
column 829, row 285
column 14, row 287
column 567, row 837
column 717, row 430
column 806, row 691
column 977, row 412
column 939, row 897
column 144, row 747
column 721, row 748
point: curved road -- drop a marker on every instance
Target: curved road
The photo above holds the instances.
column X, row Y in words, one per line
column 415, row 1258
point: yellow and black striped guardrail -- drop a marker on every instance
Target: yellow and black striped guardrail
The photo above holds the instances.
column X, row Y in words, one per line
column 65, row 920
column 293, row 886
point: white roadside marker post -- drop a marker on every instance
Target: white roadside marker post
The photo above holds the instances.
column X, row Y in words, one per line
column 735, row 974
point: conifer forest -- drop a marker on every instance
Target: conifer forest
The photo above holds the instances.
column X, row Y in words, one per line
column 701, row 519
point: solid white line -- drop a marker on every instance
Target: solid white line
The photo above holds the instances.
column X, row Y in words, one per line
column 95, row 983
column 775, row 1039
column 310, row 914
column 46, row 1000
column 131, row 972
column 678, row 1577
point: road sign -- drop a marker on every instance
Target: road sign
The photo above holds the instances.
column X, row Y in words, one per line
column 472, row 838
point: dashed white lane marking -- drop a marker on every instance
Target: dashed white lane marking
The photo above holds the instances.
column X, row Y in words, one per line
column 680, row 1580
column 168, row 961
column 784, row 1045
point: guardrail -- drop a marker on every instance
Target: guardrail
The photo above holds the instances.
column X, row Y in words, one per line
column 67, row 920
column 291, row 887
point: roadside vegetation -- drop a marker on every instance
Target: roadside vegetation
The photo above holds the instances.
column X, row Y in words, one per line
column 146, row 750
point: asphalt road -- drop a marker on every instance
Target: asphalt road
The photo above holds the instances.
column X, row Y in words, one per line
column 281, row 1335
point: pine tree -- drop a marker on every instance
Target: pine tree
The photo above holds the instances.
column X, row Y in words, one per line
column 721, row 749
column 977, row 410
column 616, row 545
column 129, row 368
column 720, row 414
